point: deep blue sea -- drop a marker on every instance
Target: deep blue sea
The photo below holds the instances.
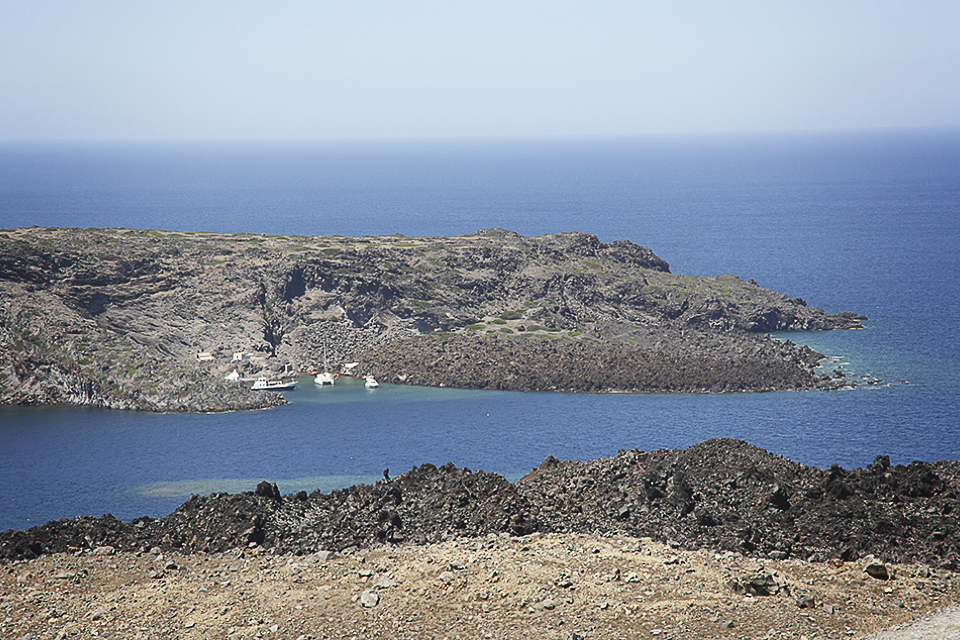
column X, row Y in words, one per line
column 859, row 221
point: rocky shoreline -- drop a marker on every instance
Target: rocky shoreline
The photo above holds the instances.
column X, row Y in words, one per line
column 155, row 320
column 720, row 494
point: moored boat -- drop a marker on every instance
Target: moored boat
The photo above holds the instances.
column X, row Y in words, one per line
column 371, row 383
column 263, row 384
column 324, row 378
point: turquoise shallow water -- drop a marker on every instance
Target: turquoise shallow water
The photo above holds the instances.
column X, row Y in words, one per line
column 862, row 222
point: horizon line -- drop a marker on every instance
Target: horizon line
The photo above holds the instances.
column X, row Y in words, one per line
column 606, row 137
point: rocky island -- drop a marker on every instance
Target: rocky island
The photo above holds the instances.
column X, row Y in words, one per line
column 155, row 320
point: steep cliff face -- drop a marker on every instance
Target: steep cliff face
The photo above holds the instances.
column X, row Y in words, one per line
column 116, row 317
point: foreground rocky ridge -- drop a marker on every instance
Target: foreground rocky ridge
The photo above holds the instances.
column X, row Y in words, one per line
column 720, row 494
column 119, row 318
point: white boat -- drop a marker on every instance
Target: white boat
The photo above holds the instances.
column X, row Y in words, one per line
column 263, row 384
column 371, row 383
column 323, row 378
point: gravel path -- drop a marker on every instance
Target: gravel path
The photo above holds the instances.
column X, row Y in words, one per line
column 936, row 625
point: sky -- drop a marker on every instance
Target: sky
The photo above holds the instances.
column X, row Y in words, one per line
column 366, row 69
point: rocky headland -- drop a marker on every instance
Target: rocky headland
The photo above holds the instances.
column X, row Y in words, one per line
column 155, row 320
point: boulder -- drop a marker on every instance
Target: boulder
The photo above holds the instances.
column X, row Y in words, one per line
column 267, row 490
column 875, row 568
column 369, row 599
column 761, row 584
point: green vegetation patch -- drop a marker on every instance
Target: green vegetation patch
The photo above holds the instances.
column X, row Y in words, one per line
column 540, row 327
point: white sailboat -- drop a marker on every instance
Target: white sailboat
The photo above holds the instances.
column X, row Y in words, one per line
column 325, row 377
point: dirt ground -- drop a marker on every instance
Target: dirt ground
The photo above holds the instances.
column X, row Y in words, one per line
column 567, row 586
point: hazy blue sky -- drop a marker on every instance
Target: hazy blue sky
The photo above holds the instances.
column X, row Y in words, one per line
column 134, row 69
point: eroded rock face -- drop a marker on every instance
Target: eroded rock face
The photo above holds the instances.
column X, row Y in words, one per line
column 151, row 320
column 719, row 494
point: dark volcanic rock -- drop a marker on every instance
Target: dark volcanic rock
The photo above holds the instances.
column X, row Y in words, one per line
column 268, row 490
column 719, row 494
column 716, row 364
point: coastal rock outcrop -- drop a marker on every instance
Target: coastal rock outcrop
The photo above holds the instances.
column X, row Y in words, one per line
column 155, row 320
column 720, row 494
